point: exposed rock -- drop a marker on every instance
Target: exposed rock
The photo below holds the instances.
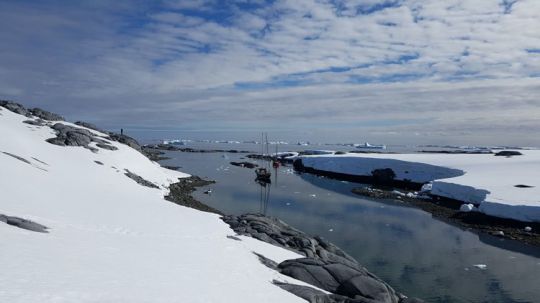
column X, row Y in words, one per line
column 37, row 122
column 67, row 135
column 307, row 293
column 265, row 261
column 127, row 140
column 106, row 146
column 326, row 266
column 140, row 180
column 244, row 164
column 233, row 238
column 352, row 281
column 172, row 167
column 23, row 223
column 37, row 112
column 91, row 126
column 523, row 186
column 15, row 107
column 383, row 176
column 180, row 193
column 98, row 162
column 508, row 153
column 171, row 147
column 17, row 157
column 45, row 115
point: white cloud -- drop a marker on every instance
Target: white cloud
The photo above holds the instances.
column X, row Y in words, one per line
column 462, row 65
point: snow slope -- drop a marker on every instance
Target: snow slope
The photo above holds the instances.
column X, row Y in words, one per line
column 111, row 239
column 481, row 179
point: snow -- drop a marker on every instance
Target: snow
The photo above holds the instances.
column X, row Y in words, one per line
column 466, row 208
column 111, row 239
column 484, row 180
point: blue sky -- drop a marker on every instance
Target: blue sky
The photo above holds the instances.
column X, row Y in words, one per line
column 456, row 71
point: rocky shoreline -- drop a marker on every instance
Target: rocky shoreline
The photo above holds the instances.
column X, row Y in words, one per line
column 325, row 265
column 385, row 187
column 448, row 210
column 181, row 193
column 167, row 147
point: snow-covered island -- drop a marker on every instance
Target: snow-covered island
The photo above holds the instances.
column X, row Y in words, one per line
column 83, row 219
column 499, row 186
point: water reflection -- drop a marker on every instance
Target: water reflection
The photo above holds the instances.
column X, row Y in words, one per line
column 405, row 246
column 264, row 197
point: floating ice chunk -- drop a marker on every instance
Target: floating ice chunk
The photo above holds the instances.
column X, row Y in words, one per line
column 331, row 230
column 313, row 195
column 426, row 187
column 480, row 266
column 411, row 195
column 528, row 228
column 466, row 208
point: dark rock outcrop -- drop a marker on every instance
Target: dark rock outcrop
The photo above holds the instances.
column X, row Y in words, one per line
column 36, row 122
column 91, row 126
column 244, row 164
column 325, row 265
column 180, row 193
column 17, row 157
column 38, row 112
column 67, row 135
column 23, row 223
column 46, row 115
column 127, row 140
column 15, row 107
column 383, row 176
column 508, row 153
column 140, row 180
column 380, row 175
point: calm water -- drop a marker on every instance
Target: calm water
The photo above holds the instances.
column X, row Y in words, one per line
column 418, row 255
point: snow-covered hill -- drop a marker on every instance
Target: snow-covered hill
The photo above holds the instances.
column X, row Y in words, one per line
column 506, row 187
column 109, row 238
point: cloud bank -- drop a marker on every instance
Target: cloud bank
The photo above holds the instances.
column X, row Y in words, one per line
column 456, row 71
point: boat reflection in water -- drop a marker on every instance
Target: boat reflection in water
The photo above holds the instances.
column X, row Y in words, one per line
column 264, row 192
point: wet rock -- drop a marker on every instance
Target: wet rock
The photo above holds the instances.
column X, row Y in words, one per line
column 180, row 193
column 326, row 266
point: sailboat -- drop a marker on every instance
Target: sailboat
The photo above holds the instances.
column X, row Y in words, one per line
column 263, row 172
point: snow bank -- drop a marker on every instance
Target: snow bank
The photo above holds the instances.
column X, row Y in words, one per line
column 111, row 239
column 481, row 179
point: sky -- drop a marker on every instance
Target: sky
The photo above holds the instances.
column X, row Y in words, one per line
column 384, row 71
